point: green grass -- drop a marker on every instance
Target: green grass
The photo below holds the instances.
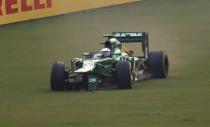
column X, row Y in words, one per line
column 28, row 49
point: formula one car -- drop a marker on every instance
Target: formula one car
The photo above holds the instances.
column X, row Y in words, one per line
column 115, row 65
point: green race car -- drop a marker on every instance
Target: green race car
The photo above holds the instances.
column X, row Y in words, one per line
column 113, row 65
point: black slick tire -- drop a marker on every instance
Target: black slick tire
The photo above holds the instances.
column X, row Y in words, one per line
column 123, row 75
column 158, row 64
column 58, row 76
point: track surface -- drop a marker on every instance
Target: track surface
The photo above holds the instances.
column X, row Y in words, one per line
column 27, row 51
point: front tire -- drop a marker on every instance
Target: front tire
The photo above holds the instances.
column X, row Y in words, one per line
column 123, row 75
column 158, row 64
column 58, row 76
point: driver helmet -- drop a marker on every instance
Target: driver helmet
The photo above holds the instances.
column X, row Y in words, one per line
column 105, row 52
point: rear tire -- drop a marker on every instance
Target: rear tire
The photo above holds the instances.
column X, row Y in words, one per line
column 158, row 64
column 123, row 75
column 58, row 76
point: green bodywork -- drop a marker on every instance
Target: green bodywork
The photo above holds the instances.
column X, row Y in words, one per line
column 95, row 67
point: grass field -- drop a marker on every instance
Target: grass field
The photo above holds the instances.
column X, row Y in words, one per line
column 28, row 49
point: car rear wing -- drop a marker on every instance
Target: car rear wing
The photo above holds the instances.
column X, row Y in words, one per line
column 132, row 37
column 129, row 37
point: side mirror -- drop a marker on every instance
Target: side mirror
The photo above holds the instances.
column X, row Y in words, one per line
column 87, row 55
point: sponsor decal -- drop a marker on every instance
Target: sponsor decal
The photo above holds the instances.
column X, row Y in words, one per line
column 0, row 7
column 91, row 80
column 128, row 34
column 11, row 6
column 20, row 10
